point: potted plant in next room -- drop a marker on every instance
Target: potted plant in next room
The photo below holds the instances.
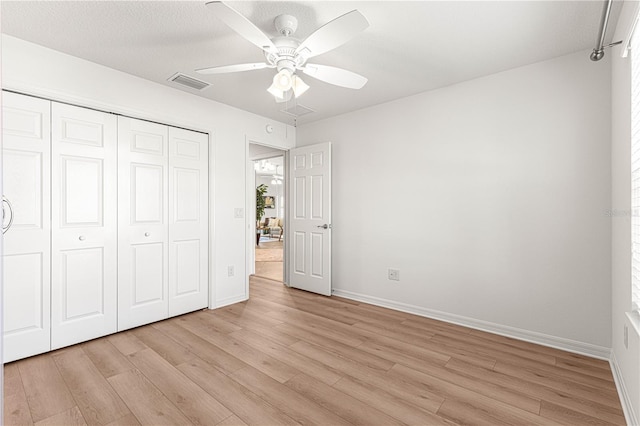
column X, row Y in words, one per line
column 260, row 205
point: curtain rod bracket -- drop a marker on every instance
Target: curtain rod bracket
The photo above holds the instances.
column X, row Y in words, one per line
column 598, row 54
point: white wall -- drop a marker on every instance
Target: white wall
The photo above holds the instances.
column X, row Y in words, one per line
column 32, row 69
column 488, row 196
column 625, row 360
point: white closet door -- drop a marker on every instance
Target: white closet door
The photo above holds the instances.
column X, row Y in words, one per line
column 27, row 254
column 143, row 229
column 83, row 225
column 188, row 221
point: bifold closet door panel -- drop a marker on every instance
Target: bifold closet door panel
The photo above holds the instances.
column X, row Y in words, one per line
column 188, row 221
column 143, row 229
column 26, row 274
column 83, row 225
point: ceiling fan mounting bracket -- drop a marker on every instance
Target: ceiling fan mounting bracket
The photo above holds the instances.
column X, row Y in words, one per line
column 286, row 24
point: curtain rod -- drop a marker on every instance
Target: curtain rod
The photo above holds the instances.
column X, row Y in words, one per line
column 598, row 52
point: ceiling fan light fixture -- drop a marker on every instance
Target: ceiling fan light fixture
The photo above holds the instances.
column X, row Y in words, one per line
column 299, row 86
column 283, row 80
column 275, row 91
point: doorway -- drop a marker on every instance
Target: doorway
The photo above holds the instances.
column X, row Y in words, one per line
column 268, row 165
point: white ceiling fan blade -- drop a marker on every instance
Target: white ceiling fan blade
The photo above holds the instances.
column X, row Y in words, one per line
column 336, row 76
column 242, row 25
column 232, row 68
column 333, row 34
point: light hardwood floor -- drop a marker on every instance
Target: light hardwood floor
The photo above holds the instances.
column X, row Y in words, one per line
column 290, row 357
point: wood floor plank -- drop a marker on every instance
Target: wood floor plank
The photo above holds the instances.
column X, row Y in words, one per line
column 289, row 357
column 70, row 417
column 95, row 398
column 567, row 416
column 202, row 348
column 543, row 393
column 196, row 404
column 474, row 400
column 493, row 390
column 145, row 401
column 248, row 406
column 492, row 347
column 419, row 396
column 167, row 348
column 287, row 400
column 12, row 380
column 16, row 409
column 351, row 409
column 585, row 368
column 371, row 310
column 232, row 421
column 46, row 391
column 390, row 404
column 128, row 420
column 126, row 342
column 464, row 413
column 554, row 379
column 247, row 322
column 326, row 327
column 218, row 323
column 263, row 362
column 106, row 357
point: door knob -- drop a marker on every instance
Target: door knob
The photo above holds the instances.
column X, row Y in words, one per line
column 81, row 237
column 6, row 227
column 146, row 234
column 325, row 226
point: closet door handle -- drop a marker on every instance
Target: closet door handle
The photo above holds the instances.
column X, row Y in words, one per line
column 146, row 234
column 5, row 201
column 81, row 237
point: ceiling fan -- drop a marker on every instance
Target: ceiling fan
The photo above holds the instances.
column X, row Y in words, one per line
column 288, row 55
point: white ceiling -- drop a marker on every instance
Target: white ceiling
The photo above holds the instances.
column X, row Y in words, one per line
column 410, row 46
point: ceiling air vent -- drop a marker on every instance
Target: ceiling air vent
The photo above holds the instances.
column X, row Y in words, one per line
column 297, row 110
column 190, row 82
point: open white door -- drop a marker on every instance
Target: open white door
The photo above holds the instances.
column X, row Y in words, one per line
column 310, row 218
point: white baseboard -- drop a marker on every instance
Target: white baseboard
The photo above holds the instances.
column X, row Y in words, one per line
column 503, row 330
column 627, row 407
column 230, row 301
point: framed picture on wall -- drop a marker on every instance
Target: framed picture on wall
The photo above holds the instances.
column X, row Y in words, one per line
column 269, row 202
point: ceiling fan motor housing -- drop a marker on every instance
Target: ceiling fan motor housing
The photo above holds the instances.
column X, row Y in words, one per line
column 286, row 56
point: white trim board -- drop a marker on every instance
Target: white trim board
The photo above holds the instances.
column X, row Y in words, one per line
column 230, row 301
column 627, row 407
column 569, row 345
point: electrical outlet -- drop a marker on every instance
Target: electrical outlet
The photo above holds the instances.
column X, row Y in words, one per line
column 394, row 274
column 230, row 271
column 626, row 337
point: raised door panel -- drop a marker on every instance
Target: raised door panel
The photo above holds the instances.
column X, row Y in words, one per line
column 143, row 230
column 27, row 251
column 84, row 231
column 188, row 221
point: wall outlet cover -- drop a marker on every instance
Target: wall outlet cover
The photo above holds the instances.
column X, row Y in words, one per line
column 394, row 274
